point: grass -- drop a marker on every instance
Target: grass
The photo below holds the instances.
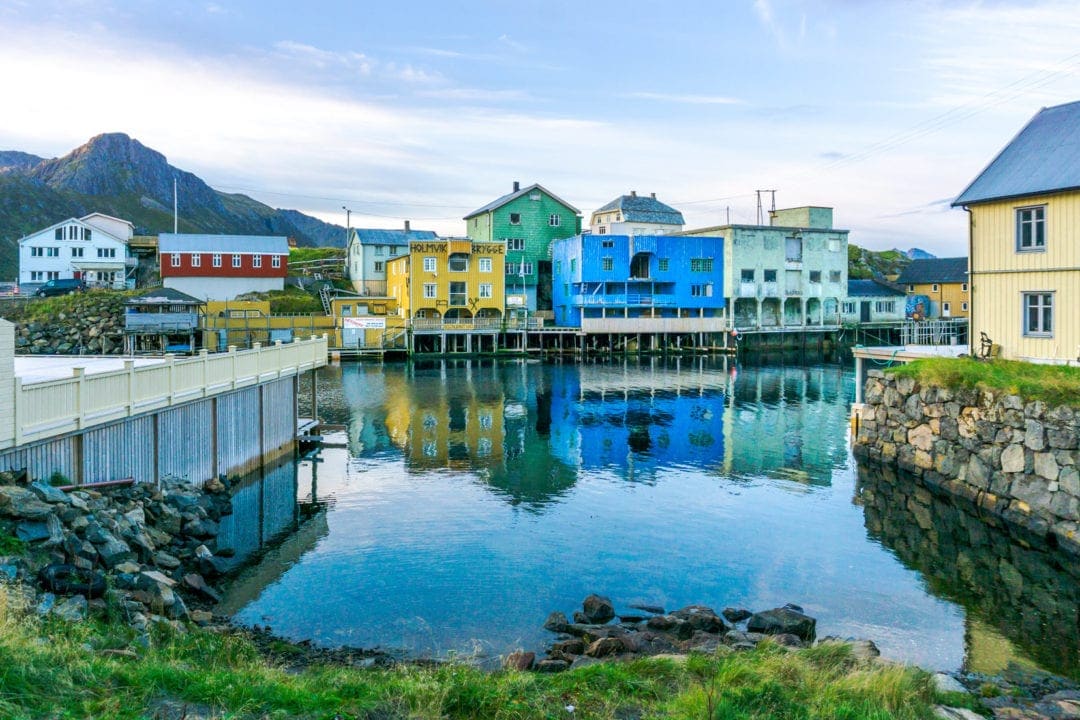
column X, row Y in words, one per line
column 304, row 254
column 290, row 301
column 52, row 670
column 1053, row 384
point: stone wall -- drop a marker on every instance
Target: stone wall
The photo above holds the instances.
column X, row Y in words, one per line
column 90, row 323
column 1016, row 459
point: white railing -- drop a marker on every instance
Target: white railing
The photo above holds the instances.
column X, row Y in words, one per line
column 53, row 407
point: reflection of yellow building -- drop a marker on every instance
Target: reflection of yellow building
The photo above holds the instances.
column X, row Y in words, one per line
column 452, row 280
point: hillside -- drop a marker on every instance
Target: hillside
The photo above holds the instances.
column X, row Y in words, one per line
column 864, row 264
column 120, row 176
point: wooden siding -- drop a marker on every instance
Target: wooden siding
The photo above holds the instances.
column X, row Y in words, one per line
column 7, row 381
column 206, row 268
column 1000, row 274
column 952, row 293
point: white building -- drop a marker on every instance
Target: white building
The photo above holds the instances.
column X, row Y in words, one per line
column 94, row 248
column 368, row 251
column 636, row 215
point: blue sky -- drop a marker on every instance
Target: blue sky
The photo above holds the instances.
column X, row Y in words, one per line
column 425, row 110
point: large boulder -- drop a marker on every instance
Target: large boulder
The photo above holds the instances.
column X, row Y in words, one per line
column 702, row 618
column 18, row 502
column 598, row 609
column 783, row 621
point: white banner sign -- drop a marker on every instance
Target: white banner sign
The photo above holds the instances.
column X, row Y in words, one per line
column 365, row 323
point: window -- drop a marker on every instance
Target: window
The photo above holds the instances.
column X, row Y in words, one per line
column 37, row 252
column 602, row 231
column 554, row 220
column 885, row 306
column 662, row 264
column 515, row 243
column 963, row 306
column 847, row 308
column 607, row 243
column 485, row 265
column 216, row 260
column 429, row 264
column 963, row 287
column 834, row 276
column 52, row 252
column 86, row 234
column 459, row 262
column 346, row 310
column 275, row 261
column 59, row 235
column 701, row 290
column 1031, row 229
column 76, row 252
column 196, row 259
column 515, row 218
column 35, row 275
column 485, row 290
column 815, row 276
column 256, row 261
column 770, row 276
column 747, row 275
column 834, row 245
column 607, row 264
column 911, row 288
column 1039, row 314
column 701, row 264
column 235, row 260
column 380, row 249
column 458, row 294
column 573, row 264
column 379, row 266
column 934, row 287
column 106, row 252
column 793, row 249
column 429, row 290
column 176, row 259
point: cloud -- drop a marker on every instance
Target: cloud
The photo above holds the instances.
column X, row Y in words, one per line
column 507, row 41
column 689, row 99
column 322, row 59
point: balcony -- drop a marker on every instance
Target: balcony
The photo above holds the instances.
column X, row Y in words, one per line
column 654, row 325
column 748, row 290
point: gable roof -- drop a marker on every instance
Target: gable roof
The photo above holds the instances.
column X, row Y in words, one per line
column 499, row 202
column 936, row 270
column 1044, row 157
column 644, row 208
column 873, row 288
column 191, row 242
column 108, row 217
column 164, row 296
column 96, row 230
column 385, row 236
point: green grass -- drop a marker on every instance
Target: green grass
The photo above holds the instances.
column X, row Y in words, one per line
column 62, row 671
column 1053, row 384
column 290, row 301
column 304, row 254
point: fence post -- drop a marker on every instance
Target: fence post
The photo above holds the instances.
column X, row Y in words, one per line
column 204, row 356
column 232, row 354
column 129, row 368
column 80, row 395
column 18, row 411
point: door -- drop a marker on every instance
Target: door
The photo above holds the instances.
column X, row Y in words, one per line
column 946, row 310
column 352, row 337
column 864, row 311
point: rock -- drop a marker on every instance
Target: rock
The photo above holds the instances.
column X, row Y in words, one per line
column 584, row 661
column 735, row 615
column 783, row 620
column 551, row 665
column 652, row 609
column 45, row 604
column 113, row 551
column 787, row 640
column 556, row 622
column 700, row 617
column 1012, row 459
column 598, row 609
column 1046, row 466
column 32, row 531
column 196, row 583
column 951, row 713
column 72, row 609
column 48, row 493
column 165, row 560
column 605, row 647
column 519, row 660
column 945, row 683
column 159, row 578
column 201, row 528
column 19, row 502
column 573, row 646
column 128, row 567
column 201, row 617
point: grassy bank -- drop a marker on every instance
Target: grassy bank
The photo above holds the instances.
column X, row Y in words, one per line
column 104, row 670
column 1053, row 384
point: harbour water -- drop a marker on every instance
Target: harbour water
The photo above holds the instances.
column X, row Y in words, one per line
column 468, row 499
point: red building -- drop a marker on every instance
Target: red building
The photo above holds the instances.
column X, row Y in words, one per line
column 220, row 267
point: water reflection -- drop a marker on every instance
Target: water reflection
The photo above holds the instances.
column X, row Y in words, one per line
column 1012, row 583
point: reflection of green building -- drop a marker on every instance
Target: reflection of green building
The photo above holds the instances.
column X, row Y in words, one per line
column 528, row 219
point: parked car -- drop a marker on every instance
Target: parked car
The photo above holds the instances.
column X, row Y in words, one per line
column 9, row 289
column 61, row 287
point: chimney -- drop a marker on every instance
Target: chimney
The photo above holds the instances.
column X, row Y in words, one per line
column 406, row 226
column 517, row 186
column 653, row 195
column 633, row 193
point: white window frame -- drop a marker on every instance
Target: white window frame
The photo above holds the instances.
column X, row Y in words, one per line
column 1040, row 332
column 486, row 291
column 175, row 259
column 379, row 266
column 429, row 264
column 237, row 260
column 515, row 218
column 1026, row 216
column 196, row 259
column 431, row 291
column 515, row 244
column 484, row 264
column 256, row 261
column 554, row 220
column 215, row 260
column 275, row 261
column 607, row 264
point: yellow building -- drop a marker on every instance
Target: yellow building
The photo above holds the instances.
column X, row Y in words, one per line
column 944, row 281
column 449, row 283
column 1024, row 241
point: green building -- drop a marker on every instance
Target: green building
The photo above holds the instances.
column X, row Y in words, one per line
column 528, row 219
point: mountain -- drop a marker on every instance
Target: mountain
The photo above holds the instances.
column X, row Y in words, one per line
column 118, row 175
column 864, row 264
column 919, row 254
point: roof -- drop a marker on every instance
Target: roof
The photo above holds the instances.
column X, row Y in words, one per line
column 644, row 208
column 267, row 244
column 872, row 288
column 499, row 202
column 937, row 270
column 164, row 296
column 97, row 231
column 383, row 236
column 109, row 217
column 1044, row 157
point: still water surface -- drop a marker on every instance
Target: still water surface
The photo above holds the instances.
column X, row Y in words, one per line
column 468, row 499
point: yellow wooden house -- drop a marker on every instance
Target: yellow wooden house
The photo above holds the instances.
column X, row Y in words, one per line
column 451, row 283
column 944, row 281
column 1024, row 241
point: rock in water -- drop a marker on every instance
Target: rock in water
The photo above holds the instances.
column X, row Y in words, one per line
column 736, row 614
column 598, row 609
column 556, row 622
column 519, row 660
column 785, row 620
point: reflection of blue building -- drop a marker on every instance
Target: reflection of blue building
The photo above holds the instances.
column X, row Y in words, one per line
column 645, row 427
column 619, row 283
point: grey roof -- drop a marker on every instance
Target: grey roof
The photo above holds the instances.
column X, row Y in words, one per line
column 1044, row 157
column 644, row 208
column 937, row 270
column 164, row 296
column 268, row 244
column 382, row 236
column 872, row 288
column 499, row 202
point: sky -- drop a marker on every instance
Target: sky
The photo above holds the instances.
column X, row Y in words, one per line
column 425, row 110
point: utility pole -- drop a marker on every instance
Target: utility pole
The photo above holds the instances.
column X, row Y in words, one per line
column 348, row 224
column 760, row 209
column 175, row 217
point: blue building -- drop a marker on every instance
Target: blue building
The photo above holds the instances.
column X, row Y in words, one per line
column 660, row 284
